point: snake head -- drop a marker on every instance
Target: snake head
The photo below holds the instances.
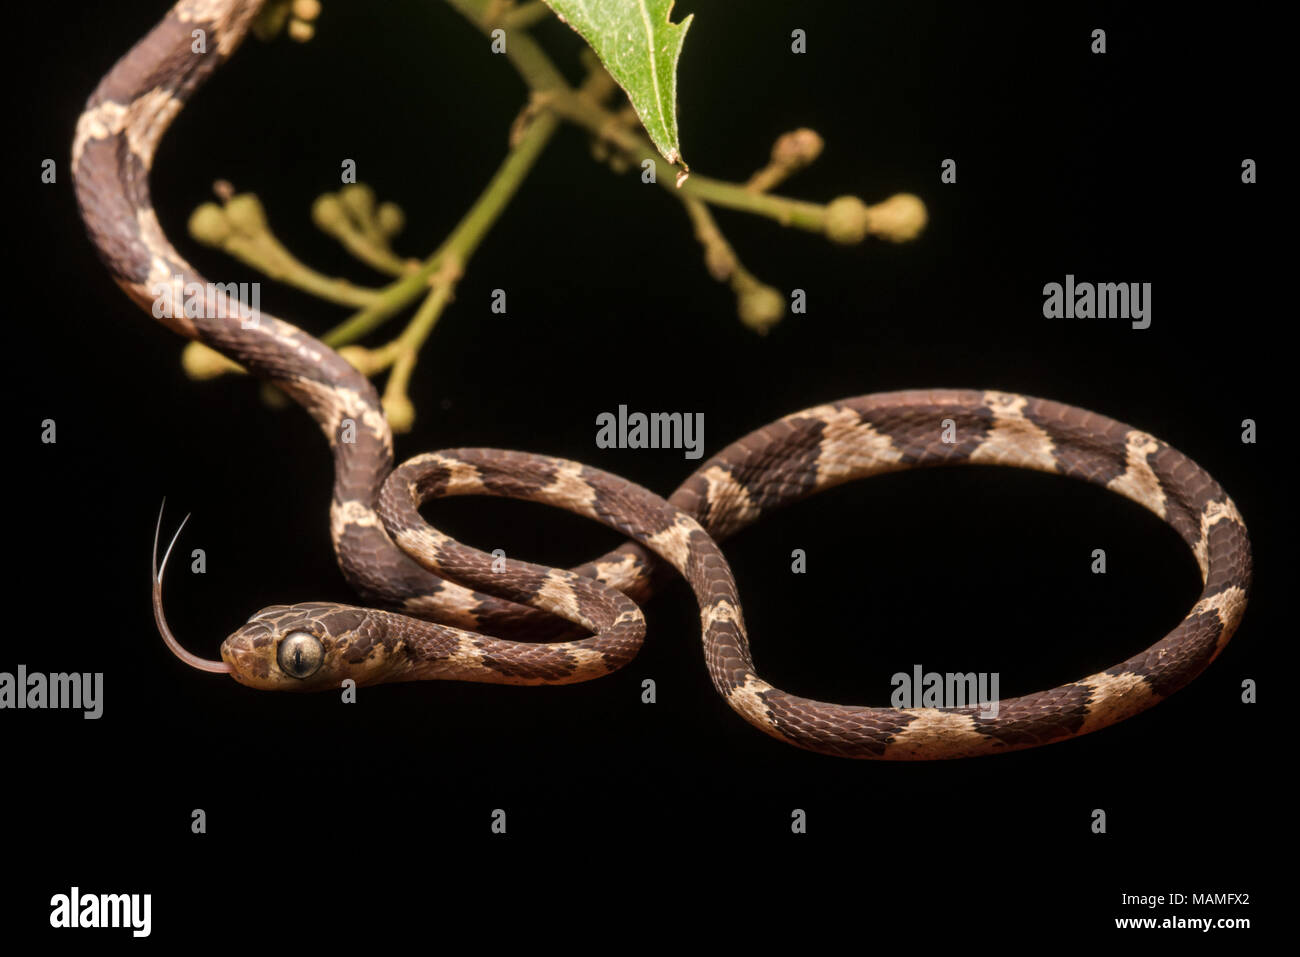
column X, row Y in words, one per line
column 312, row 646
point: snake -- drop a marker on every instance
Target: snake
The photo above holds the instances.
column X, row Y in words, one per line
column 439, row 609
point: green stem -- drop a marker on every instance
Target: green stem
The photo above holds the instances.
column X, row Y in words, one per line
column 526, row 15
column 504, row 184
column 522, row 51
column 369, row 250
column 462, row 241
column 268, row 255
column 537, row 70
column 787, row 212
column 406, row 349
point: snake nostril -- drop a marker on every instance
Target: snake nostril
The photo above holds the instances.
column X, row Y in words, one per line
column 246, row 659
column 237, row 648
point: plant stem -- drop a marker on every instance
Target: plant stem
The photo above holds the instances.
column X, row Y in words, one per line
column 406, row 348
column 370, row 250
column 542, row 77
column 787, row 212
column 526, row 15
column 268, row 255
column 462, row 241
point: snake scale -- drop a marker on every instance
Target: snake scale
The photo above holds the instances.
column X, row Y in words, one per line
column 441, row 596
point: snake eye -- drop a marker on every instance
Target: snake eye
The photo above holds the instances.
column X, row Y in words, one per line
column 300, row 654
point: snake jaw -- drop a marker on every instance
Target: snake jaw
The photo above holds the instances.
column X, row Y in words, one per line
column 194, row 661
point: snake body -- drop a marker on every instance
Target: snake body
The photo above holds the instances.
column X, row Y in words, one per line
column 441, row 595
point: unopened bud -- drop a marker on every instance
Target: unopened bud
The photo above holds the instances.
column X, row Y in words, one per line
column 209, row 225
column 246, row 214
column 847, row 220
column 899, row 218
column 359, row 200
column 797, row 148
column 760, row 307
column 203, row 362
column 390, row 219
column 400, row 412
column 328, row 213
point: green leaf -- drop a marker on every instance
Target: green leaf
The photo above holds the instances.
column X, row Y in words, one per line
column 639, row 46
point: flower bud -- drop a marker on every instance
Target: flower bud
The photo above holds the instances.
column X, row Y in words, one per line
column 390, row 219
column 203, row 362
column 760, row 307
column 246, row 214
column 400, row 412
column 328, row 213
column 359, row 200
column 899, row 218
column 209, row 225
column 797, row 148
column 847, row 220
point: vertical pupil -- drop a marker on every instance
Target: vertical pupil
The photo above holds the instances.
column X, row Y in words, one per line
column 297, row 658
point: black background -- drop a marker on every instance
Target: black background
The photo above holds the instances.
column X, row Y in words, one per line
column 322, row 817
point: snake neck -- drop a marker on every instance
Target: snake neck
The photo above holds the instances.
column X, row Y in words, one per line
column 116, row 138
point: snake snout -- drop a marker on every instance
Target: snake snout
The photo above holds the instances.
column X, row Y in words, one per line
column 248, row 653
